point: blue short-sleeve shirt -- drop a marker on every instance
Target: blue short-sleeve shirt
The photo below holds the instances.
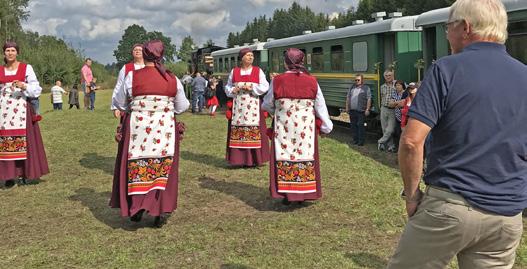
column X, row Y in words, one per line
column 476, row 104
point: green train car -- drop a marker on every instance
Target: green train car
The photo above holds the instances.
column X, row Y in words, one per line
column 336, row 56
column 435, row 45
column 225, row 60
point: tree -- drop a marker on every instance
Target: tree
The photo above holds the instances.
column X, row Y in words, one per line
column 186, row 48
column 209, row 43
column 137, row 34
column 132, row 35
column 170, row 49
column 12, row 13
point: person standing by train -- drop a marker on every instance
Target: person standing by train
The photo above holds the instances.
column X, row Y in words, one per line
column 199, row 85
column 387, row 112
column 477, row 160
column 136, row 64
column 22, row 154
column 247, row 143
column 296, row 102
column 146, row 171
column 358, row 104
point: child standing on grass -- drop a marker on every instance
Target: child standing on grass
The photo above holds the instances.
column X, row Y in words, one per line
column 212, row 102
column 56, row 95
column 74, row 96
column 93, row 87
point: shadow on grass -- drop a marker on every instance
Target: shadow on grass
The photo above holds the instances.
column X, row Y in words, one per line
column 253, row 196
column 96, row 161
column 97, row 202
column 343, row 135
column 204, row 159
column 367, row 260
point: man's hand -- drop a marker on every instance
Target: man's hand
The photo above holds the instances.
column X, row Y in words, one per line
column 411, row 208
column 367, row 113
column 117, row 113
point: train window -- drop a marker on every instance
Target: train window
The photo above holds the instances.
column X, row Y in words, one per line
column 337, row 58
column 233, row 63
column 275, row 62
column 517, row 40
column 408, row 42
column 220, row 65
column 360, row 56
column 317, row 59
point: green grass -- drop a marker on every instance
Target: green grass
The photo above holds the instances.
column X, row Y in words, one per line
column 225, row 217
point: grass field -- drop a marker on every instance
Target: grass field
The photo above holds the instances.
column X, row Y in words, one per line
column 225, row 217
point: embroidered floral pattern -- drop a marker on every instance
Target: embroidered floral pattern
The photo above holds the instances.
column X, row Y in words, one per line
column 246, row 110
column 294, row 132
column 149, row 169
column 245, row 137
column 13, row 144
column 152, row 143
column 296, row 177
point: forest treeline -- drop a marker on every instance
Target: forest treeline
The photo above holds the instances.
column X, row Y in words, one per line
column 51, row 57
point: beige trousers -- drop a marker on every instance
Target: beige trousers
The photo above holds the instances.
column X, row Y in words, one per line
column 445, row 225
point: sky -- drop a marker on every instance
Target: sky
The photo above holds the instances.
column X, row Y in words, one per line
column 96, row 26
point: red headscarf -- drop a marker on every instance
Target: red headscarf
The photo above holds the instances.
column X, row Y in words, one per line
column 294, row 59
column 243, row 52
column 153, row 51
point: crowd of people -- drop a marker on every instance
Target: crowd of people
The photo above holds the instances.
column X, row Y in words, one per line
column 476, row 181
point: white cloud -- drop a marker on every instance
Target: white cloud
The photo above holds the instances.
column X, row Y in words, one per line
column 96, row 26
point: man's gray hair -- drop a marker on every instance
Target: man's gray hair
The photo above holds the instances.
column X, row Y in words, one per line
column 488, row 18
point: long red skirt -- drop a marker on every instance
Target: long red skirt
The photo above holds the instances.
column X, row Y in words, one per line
column 295, row 197
column 154, row 202
column 36, row 164
column 249, row 157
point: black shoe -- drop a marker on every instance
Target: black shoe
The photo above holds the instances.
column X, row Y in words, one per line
column 360, row 144
column 159, row 221
column 138, row 216
column 285, row 201
column 9, row 184
column 355, row 143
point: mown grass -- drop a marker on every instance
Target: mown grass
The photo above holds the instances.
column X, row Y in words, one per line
column 225, row 217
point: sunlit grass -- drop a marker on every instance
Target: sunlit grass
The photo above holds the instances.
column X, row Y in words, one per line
column 225, row 217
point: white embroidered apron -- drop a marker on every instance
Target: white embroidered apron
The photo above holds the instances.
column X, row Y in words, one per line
column 294, row 143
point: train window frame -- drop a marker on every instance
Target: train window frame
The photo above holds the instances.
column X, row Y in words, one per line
column 517, row 34
column 317, row 59
column 337, row 63
column 360, row 56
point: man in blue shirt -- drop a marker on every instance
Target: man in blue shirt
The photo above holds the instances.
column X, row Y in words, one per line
column 474, row 103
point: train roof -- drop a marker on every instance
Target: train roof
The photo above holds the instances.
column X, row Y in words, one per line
column 390, row 25
column 441, row 15
column 235, row 50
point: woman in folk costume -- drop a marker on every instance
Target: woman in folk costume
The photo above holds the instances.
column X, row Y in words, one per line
column 300, row 113
column 146, row 174
column 22, row 152
column 246, row 138
column 135, row 64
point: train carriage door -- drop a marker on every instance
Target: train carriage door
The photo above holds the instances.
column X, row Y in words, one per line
column 389, row 51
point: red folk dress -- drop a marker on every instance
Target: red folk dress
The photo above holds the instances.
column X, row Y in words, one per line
column 146, row 82
column 34, row 164
column 242, row 150
column 295, row 166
